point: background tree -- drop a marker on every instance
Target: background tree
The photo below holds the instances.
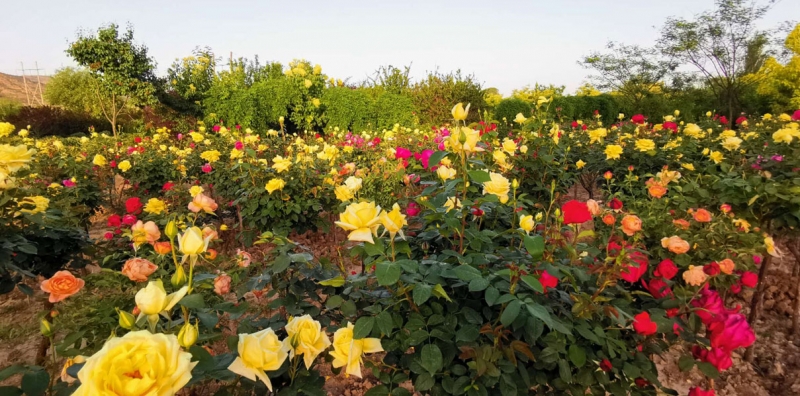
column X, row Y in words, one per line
column 724, row 45
column 73, row 89
column 633, row 72
column 123, row 72
column 781, row 81
column 188, row 82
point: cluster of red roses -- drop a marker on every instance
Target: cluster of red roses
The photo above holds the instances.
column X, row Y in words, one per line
column 133, row 207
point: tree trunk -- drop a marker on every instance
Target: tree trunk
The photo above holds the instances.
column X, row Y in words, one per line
column 755, row 303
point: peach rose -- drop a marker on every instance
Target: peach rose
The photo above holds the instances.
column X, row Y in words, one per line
column 695, row 275
column 609, row 219
column 702, row 216
column 162, row 248
column 138, row 269
column 208, row 231
column 211, row 254
column 656, row 190
column 681, row 223
column 222, row 284
column 243, row 258
column 204, row 203
column 675, row 244
column 727, row 266
column 631, row 224
column 594, row 207
column 62, row 285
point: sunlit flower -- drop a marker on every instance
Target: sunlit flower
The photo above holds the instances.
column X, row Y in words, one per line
column 203, row 203
column 393, row 221
column 645, row 145
column 361, row 220
column 259, row 352
column 695, row 276
column 613, row 151
column 155, row 206
column 498, row 185
column 124, row 165
column 347, row 351
column 306, row 338
column 275, row 185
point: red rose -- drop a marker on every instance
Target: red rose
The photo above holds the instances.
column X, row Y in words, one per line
column 575, row 212
column 547, row 280
column 643, row 325
column 695, row 391
column 574, row 124
column 633, row 272
column 673, row 312
column 108, row 235
column 658, row 288
column 129, row 219
column 114, row 220
column 749, row 279
column 723, row 120
column 606, row 365
column 615, row 204
column 641, row 382
column 671, row 126
column 740, row 120
column 666, row 269
column 137, row 139
column 712, row 269
column 796, row 115
column 736, row 288
column 732, row 333
column 637, row 119
column 168, row 186
column 133, row 205
column 718, row 358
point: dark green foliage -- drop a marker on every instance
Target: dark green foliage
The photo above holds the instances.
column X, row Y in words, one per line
column 509, row 108
column 55, row 121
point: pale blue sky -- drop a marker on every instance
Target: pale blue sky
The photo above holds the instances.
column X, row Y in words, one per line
column 506, row 44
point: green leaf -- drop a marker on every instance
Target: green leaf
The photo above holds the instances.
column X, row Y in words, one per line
column 384, row 322
column 436, row 158
column 281, row 263
column 35, row 382
column 467, row 333
column 708, row 369
column 334, row 301
column 431, row 358
column 467, row 273
column 685, row 363
column 533, row 283
column 479, row 176
column 10, row 391
column 510, row 313
column 422, row 293
column 193, row 301
column 491, row 296
column 535, row 246
column 577, row 355
column 478, row 284
column 335, row 282
column 363, row 327
column 388, row 273
column 380, row 390
column 348, row 308
column 424, row 382
column 11, row 370
column 439, row 292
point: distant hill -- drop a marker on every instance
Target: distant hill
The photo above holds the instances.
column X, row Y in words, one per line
column 13, row 87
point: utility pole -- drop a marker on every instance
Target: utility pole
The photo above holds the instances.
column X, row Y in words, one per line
column 25, row 82
column 39, row 84
column 28, row 93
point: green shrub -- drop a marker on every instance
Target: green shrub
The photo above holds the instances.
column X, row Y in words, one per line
column 390, row 109
column 55, row 121
column 8, row 108
column 346, row 108
column 509, row 108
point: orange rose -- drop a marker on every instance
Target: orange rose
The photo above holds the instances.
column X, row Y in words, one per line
column 656, row 190
column 594, row 207
column 210, row 232
column 62, row 285
column 727, row 266
column 211, row 254
column 202, row 202
column 702, row 216
column 144, row 232
column 162, row 247
column 609, row 219
column 222, row 284
column 675, row 244
column 695, row 275
column 138, row 269
column 631, row 224
column 681, row 223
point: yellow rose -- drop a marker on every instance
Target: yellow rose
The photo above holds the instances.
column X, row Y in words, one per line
column 645, row 145
column 498, row 185
column 124, row 165
column 716, row 156
column 14, row 158
column 613, row 151
column 259, row 352
column 155, row 206
column 470, row 139
column 188, row 335
column 526, row 223
column 452, row 203
column 353, row 184
column 99, row 160
column 731, row 143
column 361, row 220
column 6, row 129
column 281, row 164
column 348, row 352
column 393, row 221
column 210, row 156
column 343, row 193
column 194, row 190
column 769, row 243
column 688, row 166
column 459, row 112
column 446, row 173
column 144, row 233
column 580, row 164
column 153, row 300
column 509, row 146
column 192, row 242
column 520, row 119
column 523, row 149
column 139, row 363
column 305, row 337
column 275, row 184
column 39, row 203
